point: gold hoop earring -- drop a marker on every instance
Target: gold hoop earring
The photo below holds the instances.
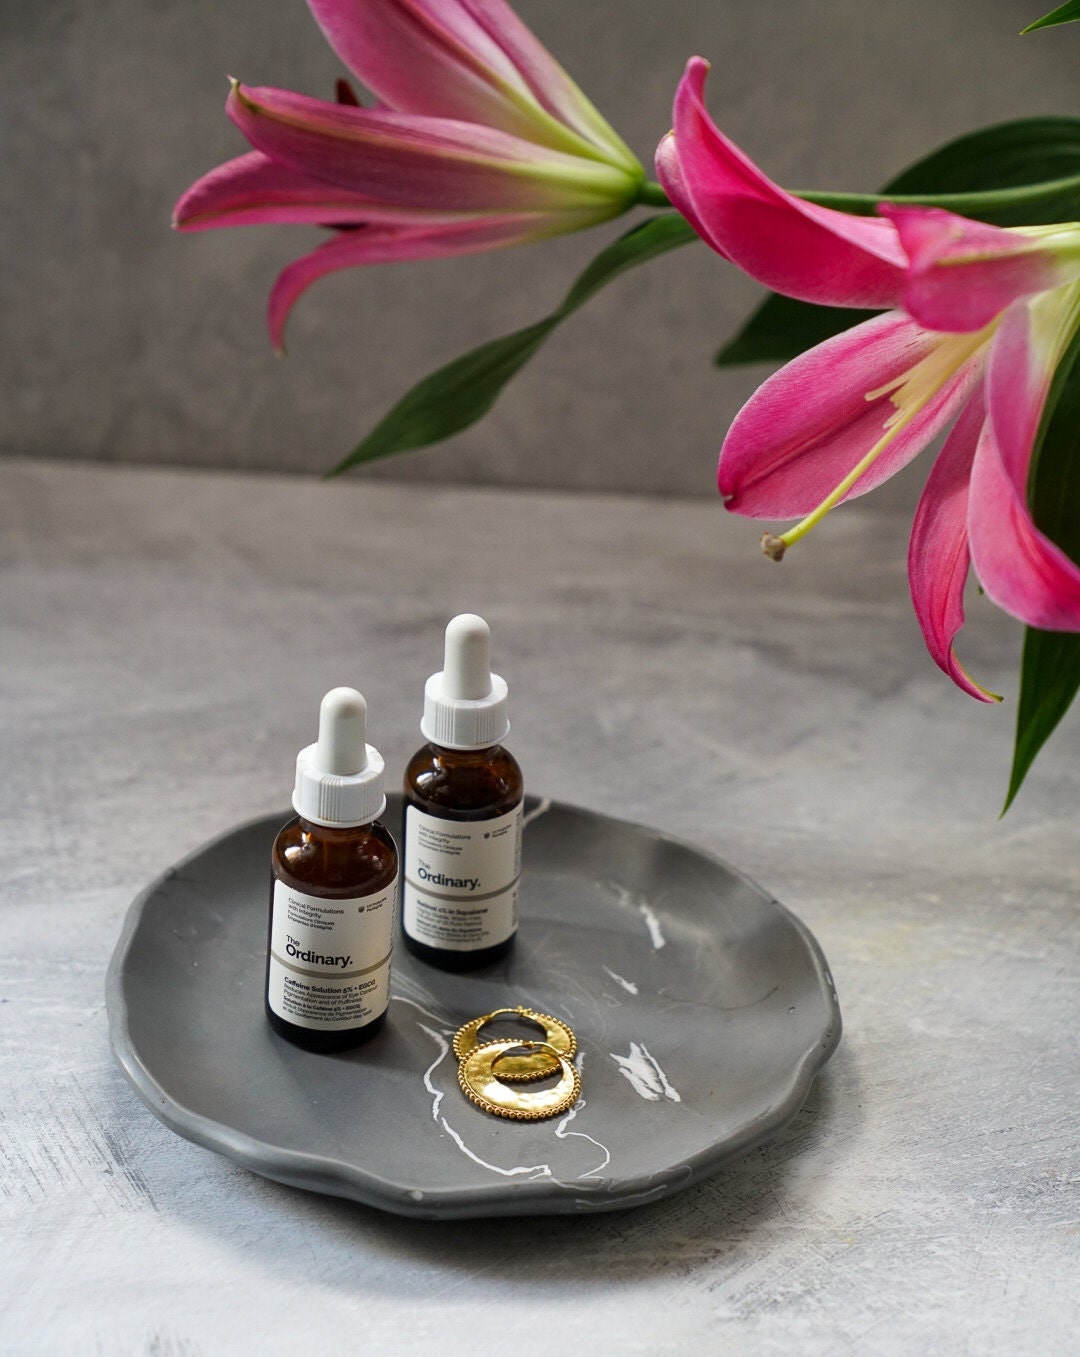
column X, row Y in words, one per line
column 482, row 1086
column 520, row 1069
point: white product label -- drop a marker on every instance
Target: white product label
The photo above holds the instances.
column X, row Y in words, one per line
column 330, row 959
column 461, row 879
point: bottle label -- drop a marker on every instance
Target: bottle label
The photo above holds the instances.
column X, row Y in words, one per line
column 461, row 879
column 330, row 959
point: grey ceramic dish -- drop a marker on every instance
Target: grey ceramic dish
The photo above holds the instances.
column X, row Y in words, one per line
column 703, row 1010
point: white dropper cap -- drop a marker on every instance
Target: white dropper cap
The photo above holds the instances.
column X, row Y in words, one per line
column 465, row 704
column 339, row 779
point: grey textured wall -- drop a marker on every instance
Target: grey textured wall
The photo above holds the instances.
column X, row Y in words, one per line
column 125, row 341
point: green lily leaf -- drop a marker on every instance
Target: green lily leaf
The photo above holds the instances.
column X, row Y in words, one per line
column 1064, row 14
column 781, row 328
column 1050, row 668
column 1020, row 172
column 457, row 395
column 1025, row 154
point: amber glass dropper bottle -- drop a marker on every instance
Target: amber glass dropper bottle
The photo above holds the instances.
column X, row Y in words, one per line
column 333, row 891
column 463, row 812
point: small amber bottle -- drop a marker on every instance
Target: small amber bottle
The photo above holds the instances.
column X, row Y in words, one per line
column 463, row 813
column 333, row 890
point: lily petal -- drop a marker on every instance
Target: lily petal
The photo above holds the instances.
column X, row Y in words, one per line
column 963, row 273
column 804, row 251
column 253, row 188
column 669, row 171
column 421, row 162
column 388, row 244
column 468, row 60
column 421, row 58
column 1021, row 570
column 809, row 424
column 551, row 85
column 938, row 553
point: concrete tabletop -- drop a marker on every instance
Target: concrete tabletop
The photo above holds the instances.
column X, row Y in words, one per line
column 166, row 636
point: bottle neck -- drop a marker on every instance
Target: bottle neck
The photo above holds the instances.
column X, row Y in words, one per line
column 316, row 830
column 484, row 754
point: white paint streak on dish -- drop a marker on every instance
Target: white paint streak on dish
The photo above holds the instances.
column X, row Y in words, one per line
column 627, row 985
column 436, row 1093
column 440, row 1041
column 562, row 1132
column 536, row 1170
column 652, row 923
column 539, row 809
column 639, row 1198
column 443, row 1019
column 644, row 1075
column 626, row 899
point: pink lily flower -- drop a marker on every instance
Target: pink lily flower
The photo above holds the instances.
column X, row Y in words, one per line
column 981, row 317
column 479, row 140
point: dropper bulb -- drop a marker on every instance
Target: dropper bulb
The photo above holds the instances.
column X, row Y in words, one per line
column 341, row 748
column 467, row 658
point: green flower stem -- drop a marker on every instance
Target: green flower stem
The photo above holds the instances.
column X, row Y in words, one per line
column 652, row 195
column 964, row 204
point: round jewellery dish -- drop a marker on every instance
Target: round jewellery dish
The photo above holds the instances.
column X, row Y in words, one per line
column 702, row 1008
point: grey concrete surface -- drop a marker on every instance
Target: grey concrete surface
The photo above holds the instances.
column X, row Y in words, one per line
column 165, row 636
column 122, row 341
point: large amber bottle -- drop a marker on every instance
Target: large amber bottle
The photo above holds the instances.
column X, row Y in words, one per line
column 463, row 812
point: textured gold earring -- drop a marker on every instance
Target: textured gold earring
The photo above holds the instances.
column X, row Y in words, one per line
column 521, row 1068
column 482, row 1086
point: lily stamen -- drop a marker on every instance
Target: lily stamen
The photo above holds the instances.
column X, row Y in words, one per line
column 910, row 393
